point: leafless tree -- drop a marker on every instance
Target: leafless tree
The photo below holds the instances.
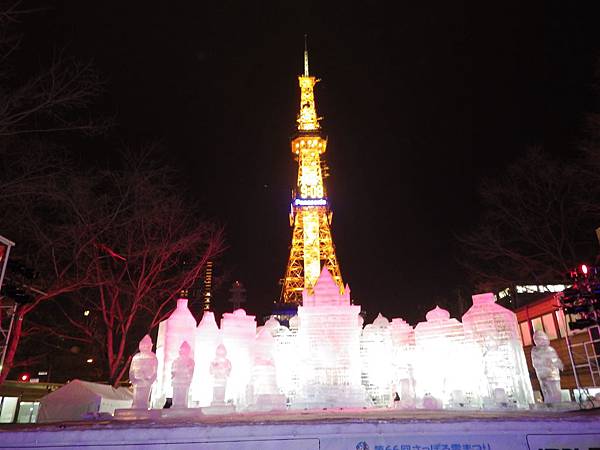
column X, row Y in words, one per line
column 117, row 244
column 590, row 166
column 49, row 239
column 114, row 249
column 50, row 100
column 534, row 227
column 53, row 99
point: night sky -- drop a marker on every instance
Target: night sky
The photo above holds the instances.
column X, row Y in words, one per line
column 420, row 104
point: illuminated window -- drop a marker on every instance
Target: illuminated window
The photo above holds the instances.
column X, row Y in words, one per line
column 549, row 326
column 8, row 407
column 562, row 327
column 28, row 412
column 536, row 324
column 525, row 334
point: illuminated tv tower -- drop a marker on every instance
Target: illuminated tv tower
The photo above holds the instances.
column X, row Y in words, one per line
column 310, row 215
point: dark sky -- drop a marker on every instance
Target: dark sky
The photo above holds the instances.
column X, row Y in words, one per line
column 421, row 103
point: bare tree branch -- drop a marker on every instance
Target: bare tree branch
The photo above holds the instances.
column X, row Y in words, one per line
column 534, row 228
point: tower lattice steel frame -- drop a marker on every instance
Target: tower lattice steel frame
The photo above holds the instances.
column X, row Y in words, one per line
column 310, row 215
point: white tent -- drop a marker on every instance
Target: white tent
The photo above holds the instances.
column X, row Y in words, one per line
column 79, row 398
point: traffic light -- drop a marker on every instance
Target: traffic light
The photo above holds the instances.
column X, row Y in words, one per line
column 581, row 301
column 24, row 377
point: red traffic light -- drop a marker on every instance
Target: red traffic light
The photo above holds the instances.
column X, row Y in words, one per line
column 584, row 269
column 24, row 377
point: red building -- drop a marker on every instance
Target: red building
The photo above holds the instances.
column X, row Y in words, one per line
column 543, row 312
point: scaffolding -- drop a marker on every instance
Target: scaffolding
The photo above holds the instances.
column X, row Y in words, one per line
column 7, row 307
column 585, row 357
column 7, row 317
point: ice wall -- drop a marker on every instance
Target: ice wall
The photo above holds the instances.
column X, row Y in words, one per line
column 179, row 327
column 495, row 331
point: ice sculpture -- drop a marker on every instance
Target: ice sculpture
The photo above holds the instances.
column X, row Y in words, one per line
column 495, row 331
column 208, row 338
column 179, row 327
column 238, row 331
column 220, row 369
column 326, row 359
column 328, row 348
column 547, row 367
column 142, row 373
column 264, row 394
column 440, row 366
column 182, row 371
column 377, row 358
column 403, row 351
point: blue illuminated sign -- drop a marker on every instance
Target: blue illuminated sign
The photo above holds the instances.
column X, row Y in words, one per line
column 310, row 202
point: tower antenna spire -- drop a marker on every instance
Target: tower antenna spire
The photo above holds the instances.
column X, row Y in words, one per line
column 305, row 55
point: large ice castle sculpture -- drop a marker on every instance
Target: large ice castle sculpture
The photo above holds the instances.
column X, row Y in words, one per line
column 328, row 345
column 326, row 359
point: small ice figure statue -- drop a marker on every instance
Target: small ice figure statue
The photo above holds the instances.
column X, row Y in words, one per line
column 142, row 373
column 547, row 366
column 182, row 372
column 220, row 368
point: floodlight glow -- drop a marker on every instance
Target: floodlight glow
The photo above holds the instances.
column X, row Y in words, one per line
column 208, row 337
column 376, row 349
column 238, row 331
column 439, row 346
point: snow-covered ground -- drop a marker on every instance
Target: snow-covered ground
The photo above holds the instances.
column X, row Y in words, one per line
column 323, row 430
